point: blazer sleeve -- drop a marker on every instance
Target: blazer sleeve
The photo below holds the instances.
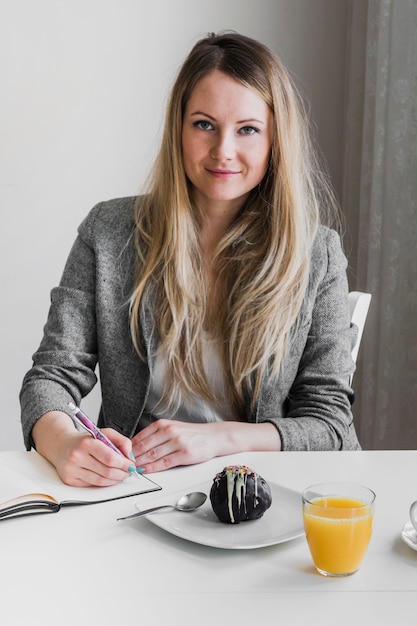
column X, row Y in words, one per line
column 64, row 364
column 316, row 411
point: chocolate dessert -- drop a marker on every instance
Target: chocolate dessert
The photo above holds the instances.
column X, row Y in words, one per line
column 239, row 494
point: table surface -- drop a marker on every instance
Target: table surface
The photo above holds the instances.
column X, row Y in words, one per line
column 82, row 566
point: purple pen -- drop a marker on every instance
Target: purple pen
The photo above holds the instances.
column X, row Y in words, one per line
column 84, row 421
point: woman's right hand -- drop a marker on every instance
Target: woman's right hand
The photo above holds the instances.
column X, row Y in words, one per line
column 79, row 459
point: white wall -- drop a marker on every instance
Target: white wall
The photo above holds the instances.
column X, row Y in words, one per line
column 83, row 84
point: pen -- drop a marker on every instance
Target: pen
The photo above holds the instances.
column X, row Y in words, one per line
column 80, row 418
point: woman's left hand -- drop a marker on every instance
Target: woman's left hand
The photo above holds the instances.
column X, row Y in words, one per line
column 168, row 443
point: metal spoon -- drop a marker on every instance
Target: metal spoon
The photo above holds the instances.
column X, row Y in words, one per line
column 187, row 503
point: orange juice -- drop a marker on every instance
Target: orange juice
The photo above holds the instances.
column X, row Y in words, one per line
column 338, row 530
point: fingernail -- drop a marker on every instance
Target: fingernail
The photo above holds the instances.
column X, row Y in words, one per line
column 140, row 470
column 132, row 456
column 132, row 468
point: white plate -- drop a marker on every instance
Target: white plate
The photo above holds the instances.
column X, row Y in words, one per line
column 409, row 535
column 281, row 522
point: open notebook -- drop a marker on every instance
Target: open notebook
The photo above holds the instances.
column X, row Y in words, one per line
column 29, row 485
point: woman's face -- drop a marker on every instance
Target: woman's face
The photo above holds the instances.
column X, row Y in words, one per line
column 226, row 142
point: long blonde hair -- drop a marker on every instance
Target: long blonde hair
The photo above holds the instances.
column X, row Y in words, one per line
column 262, row 263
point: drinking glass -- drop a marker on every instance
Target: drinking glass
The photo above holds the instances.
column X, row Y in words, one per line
column 338, row 520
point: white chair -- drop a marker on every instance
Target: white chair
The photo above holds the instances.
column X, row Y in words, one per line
column 358, row 305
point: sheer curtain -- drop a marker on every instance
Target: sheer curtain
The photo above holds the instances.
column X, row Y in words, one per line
column 380, row 203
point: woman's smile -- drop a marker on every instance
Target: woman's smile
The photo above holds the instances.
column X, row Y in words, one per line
column 221, row 173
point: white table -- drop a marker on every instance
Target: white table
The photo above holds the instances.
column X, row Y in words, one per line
column 82, row 567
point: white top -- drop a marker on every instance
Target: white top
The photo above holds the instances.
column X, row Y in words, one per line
column 190, row 409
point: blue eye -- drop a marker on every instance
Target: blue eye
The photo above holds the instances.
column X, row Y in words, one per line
column 203, row 125
column 248, row 130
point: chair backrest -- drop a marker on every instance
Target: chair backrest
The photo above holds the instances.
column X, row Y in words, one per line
column 359, row 305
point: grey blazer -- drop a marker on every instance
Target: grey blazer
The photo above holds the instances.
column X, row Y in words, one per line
column 88, row 324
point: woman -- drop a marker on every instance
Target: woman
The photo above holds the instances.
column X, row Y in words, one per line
column 215, row 305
